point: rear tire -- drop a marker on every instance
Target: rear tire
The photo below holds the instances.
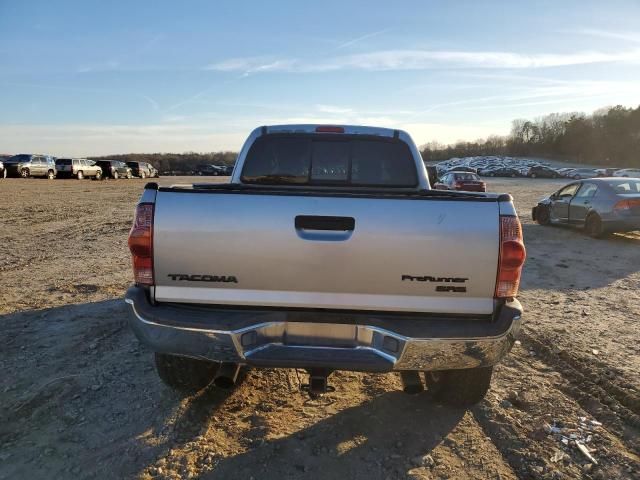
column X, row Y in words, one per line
column 593, row 226
column 98, row 175
column 459, row 388
column 115, row 175
column 24, row 173
column 51, row 175
column 186, row 375
column 80, row 175
column 142, row 175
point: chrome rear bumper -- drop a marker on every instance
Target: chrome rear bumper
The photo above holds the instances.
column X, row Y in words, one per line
column 336, row 341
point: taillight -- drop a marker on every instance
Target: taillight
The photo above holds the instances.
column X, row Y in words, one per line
column 329, row 129
column 625, row 205
column 141, row 244
column 512, row 257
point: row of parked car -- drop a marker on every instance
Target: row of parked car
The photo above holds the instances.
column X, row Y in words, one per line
column 30, row 165
column 522, row 167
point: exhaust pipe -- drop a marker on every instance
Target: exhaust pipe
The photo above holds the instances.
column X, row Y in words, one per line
column 411, row 382
column 227, row 375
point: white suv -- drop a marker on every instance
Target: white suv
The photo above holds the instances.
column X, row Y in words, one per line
column 78, row 168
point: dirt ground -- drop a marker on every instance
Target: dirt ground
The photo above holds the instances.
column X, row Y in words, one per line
column 79, row 397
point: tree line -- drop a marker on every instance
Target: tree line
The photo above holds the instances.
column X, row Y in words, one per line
column 609, row 136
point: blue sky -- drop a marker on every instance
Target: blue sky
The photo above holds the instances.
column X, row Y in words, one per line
column 89, row 77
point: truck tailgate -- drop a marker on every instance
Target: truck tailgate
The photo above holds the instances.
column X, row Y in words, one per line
column 396, row 254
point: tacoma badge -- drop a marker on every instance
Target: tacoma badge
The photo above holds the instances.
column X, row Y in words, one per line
column 203, row 278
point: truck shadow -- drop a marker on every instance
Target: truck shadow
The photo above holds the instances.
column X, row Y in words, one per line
column 375, row 439
column 564, row 258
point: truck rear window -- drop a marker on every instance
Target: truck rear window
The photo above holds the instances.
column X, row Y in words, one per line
column 329, row 160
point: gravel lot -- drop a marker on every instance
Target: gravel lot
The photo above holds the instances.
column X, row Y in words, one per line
column 80, row 398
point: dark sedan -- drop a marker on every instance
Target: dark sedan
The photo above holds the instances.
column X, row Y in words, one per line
column 469, row 182
column 114, row 169
column 501, row 172
column 540, row 171
column 599, row 205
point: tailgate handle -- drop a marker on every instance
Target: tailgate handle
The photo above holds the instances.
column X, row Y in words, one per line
column 314, row 222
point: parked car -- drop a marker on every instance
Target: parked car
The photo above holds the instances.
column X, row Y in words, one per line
column 505, row 172
column 28, row 165
column 540, row 171
column 487, row 171
column 215, row 170
column 206, row 304
column 466, row 181
column 464, row 169
column 580, row 173
column 143, row 169
column 78, row 168
column 565, row 171
column 607, row 172
column 114, row 169
column 627, row 172
column 598, row 205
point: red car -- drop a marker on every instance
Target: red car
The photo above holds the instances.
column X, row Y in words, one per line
column 469, row 182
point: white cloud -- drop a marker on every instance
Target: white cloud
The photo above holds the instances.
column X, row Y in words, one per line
column 361, row 38
column 422, row 60
column 333, row 109
column 251, row 65
column 633, row 37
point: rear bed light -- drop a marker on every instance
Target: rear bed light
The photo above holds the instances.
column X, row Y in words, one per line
column 141, row 244
column 512, row 257
column 329, row 129
column 624, row 205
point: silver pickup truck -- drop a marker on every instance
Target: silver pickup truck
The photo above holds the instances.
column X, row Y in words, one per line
column 327, row 250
